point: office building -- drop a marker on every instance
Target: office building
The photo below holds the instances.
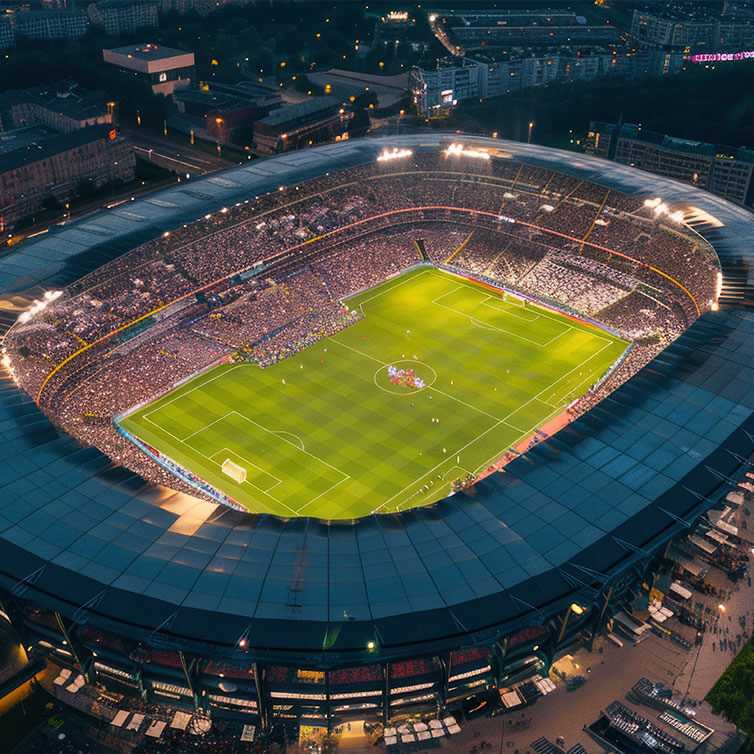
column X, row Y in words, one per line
column 163, row 68
column 723, row 170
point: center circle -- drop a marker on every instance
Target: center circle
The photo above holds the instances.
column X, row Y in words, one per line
column 405, row 371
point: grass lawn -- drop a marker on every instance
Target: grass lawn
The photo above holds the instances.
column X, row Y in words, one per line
column 326, row 433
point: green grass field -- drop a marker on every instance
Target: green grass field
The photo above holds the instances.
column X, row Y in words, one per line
column 325, row 433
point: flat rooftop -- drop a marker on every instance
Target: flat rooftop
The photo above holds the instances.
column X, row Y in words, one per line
column 63, row 97
column 40, row 146
column 148, row 52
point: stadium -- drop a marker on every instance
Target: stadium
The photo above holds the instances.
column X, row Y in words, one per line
column 496, row 380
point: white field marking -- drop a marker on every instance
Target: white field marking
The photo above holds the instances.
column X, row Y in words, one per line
column 206, row 426
column 435, row 389
column 258, row 489
column 447, row 293
column 413, row 391
column 329, row 489
column 228, row 452
column 301, row 449
column 356, row 350
column 543, row 312
column 284, row 432
column 493, row 302
column 196, row 387
column 482, row 326
column 497, row 455
column 311, row 455
column 487, row 325
column 563, row 376
column 552, row 316
column 419, row 491
column 382, row 292
column 499, row 421
column 549, row 387
column 555, row 317
column 162, row 429
column 432, row 470
column 209, row 460
column 468, row 405
column 460, row 468
column 500, row 453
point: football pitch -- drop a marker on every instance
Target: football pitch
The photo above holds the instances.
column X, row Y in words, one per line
column 344, row 428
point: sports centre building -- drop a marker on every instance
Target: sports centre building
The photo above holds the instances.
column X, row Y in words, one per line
column 191, row 603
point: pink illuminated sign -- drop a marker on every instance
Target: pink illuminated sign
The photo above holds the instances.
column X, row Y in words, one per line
column 715, row 57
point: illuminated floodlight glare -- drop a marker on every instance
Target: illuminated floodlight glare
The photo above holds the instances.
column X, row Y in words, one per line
column 38, row 306
column 718, row 285
column 461, row 151
column 661, row 209
column 393, row 154
column 6, row 362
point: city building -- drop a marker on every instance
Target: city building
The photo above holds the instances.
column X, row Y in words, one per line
column 224, row 112
column 62, row 107
column 7, row 32
column 52, row 166
column 163, row 68
column 62, row 23
column 545, row 27
column 723, row 170
column 314, row 120
column 691, row 32
column 201, row 7
column 124, row 16
column 487, row 74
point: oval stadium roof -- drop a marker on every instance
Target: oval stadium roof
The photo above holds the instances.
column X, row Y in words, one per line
column 93, row 540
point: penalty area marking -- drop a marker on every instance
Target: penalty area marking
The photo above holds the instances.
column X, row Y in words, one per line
column 293, row 444
column 277, row 433
column 281, row 432
column 228, row 452
column 493, row 303
column 476, row 322
column 196, row 387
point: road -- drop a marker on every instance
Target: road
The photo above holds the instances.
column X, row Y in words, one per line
column 174, row 155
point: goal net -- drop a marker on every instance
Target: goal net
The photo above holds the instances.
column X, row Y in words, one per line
column 234, row 471
column 512, row 298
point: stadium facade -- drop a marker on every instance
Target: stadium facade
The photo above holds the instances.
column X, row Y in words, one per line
column 153, row 592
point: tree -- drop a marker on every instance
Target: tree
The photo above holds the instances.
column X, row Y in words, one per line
column 733, row 694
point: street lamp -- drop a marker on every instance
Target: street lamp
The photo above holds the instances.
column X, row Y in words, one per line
column 528, row 138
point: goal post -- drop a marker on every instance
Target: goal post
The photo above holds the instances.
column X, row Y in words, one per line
column 512, row 298
column 234, row 471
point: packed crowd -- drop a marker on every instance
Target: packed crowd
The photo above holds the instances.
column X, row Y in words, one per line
column 267, row 277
